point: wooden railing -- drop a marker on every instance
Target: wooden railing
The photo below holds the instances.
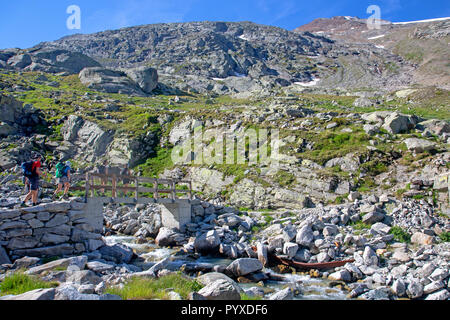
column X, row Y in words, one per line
column 116, row 183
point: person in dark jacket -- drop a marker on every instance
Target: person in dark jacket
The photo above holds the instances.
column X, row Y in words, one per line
column 33, row 180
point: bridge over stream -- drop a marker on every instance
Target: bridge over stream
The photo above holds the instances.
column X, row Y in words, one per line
column 174, row 196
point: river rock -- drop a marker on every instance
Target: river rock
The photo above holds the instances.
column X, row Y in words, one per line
column 84, row 277
column 440, row 295
column 262, row 250
column 439, row 274
column 399, row 287
column 370, row 257
column 220, row 290
column 117, row 253
column 98, row 266
column 433, row 287
column 38, row 294
column 207, row 243
column 305, row 236
column 68, row 291
column 244, row 266
column 341, row 275
column 285, row 294
column 415, row 289
column 290, row 249
column 381, row 293
column 25, row 262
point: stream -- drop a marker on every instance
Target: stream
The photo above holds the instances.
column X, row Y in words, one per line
column 311, row 288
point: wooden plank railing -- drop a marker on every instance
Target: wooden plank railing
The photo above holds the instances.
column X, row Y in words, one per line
column 108, row 182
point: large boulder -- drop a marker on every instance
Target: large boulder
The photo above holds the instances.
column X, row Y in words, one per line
column 244, row 266
column 305, row 236
column 68, row 291
column 285, row 294
column 220, row 290
column 419, row 145
column 117, row 253
column 38, row 294
column 145, row 77
column 78, row 262
column 83, row 277
column 112, row 81
column 168, row 237
column 207, row 243
column 437, row 127
column 398, row 123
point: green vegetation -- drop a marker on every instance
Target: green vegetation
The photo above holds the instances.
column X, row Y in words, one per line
column 445, row 236
column 400, row 235
column 359, row 225
column 156, row 165
column 374, row 167
column 329, row 145
column 149, row 288
column 366, row 185
column 19, row 283
column 247, row 297
column 284, row 178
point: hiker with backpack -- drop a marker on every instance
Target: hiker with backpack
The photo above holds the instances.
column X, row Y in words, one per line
column 31, row 171
column 62, row 175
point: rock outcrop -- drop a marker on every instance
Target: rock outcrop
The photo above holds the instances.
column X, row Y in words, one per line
column 87, row 140
column 138, row 81
column 48, row 59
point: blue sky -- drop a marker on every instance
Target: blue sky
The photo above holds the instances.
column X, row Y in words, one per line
column 24, row 23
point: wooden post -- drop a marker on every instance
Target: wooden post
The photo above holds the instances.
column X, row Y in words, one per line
column 174, row 194
column 114, row 190
column 91, row 181
column 190, row 190
column 136, row 193
column 86, row 194
column 155, row 186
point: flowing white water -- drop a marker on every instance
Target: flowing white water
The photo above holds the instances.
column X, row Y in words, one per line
column 311, row 288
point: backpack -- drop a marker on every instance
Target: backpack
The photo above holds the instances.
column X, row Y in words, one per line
column 65, row 171
column 60, row 169
column 27, row 169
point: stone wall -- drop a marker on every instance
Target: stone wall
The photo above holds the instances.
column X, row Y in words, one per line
column 48, row 230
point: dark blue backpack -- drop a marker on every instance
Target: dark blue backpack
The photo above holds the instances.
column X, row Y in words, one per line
column 27, row 169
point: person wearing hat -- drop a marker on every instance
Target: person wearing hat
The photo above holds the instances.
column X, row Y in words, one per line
column 63, row 179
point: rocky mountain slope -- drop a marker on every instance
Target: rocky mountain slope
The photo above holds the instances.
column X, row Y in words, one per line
column 224, row 58
column 423, row 43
